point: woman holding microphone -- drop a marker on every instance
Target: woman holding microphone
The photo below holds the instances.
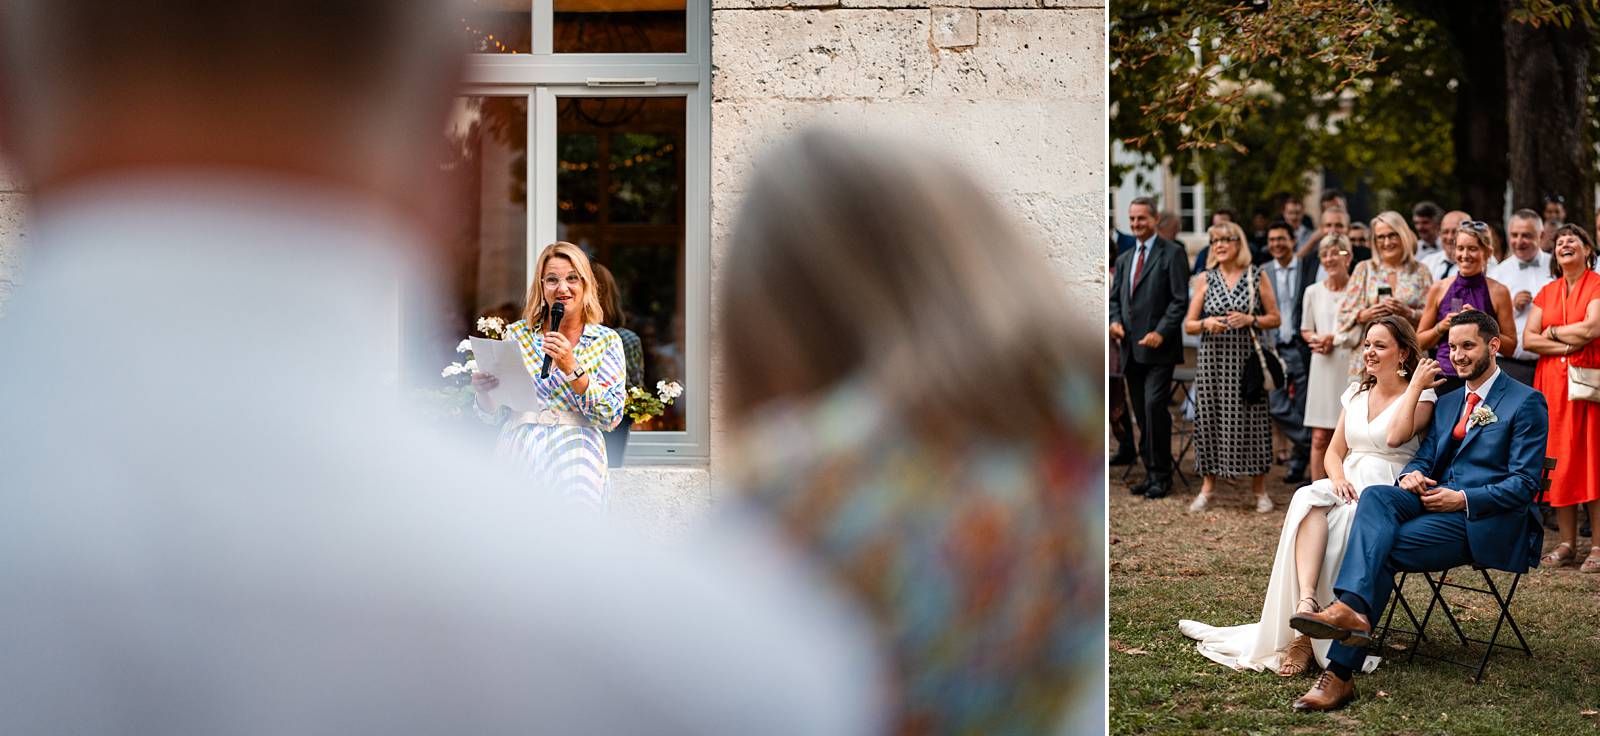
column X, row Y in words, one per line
column 562, row 445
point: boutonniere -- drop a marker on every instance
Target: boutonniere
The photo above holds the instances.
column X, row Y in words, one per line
column 1481, row 417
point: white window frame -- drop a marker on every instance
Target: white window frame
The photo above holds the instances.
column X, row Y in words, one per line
column 543, row 77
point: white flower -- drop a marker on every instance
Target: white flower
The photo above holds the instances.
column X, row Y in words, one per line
column 470, row 367
column 669, row 390
column 454, row 369
column 492, row 326
column 464, row 345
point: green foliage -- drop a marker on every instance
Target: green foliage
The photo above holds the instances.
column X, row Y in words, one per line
column 1253, row 98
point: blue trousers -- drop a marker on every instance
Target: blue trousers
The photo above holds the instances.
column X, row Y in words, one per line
column 1391, row 533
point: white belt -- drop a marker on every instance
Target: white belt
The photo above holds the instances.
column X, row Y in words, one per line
column 550, row 417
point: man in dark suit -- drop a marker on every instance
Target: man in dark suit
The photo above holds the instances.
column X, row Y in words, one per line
column 1290, row 276
column 1148, row 301
column 1467, row 497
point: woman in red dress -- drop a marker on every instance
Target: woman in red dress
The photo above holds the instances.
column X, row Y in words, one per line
column 1562, row 329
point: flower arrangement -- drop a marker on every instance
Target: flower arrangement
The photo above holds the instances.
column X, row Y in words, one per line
column 642, row 405
column 1482, row 416
column 452, row 401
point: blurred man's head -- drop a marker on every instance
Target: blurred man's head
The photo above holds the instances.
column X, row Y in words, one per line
column 1142, row 217
column 346, row 93
column 1333, row 198
column 1293, row 209
column 1447, row 231
column 1523, row 234
column 1221, row 216
column 1360, row 236
column 1168, row 224
column 1555, row 209
column 1425, row 220
column 1335, row 221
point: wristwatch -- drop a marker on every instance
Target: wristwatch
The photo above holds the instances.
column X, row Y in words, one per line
column 573, row 376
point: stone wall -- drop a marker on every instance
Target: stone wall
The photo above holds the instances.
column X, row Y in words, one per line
column 11, row 235
column 1014, row 89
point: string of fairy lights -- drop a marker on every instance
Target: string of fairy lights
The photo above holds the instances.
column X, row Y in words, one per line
column 627, row 163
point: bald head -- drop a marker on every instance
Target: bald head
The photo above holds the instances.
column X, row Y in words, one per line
column 1448, row 227
column 342, row 90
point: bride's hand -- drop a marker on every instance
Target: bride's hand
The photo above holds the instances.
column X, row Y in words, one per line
column 1342, row 489
column 1426, row 374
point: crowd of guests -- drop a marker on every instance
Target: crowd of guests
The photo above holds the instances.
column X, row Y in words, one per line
column 1307, row 291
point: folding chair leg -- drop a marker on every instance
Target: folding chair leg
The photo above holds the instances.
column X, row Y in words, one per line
column 1438, row 598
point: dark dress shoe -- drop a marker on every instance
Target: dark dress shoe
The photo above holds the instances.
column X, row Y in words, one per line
column 1296, row 476
column 1124, row 457
column 1338, row 622
column 1330, row 693
column 1159, row 489
column 1139, row 488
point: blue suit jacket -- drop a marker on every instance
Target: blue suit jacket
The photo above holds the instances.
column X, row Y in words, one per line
column 1498, row 466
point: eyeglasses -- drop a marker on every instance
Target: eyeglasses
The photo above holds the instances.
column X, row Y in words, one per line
column 1335, row 253
column 1225, row 239
column 1386, row 237
column 1476, row 225
column 1558, row 199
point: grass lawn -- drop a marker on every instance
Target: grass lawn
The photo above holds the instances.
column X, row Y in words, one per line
column 1213, row 567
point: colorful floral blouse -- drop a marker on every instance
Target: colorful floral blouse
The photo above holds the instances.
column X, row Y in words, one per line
column 980, row 565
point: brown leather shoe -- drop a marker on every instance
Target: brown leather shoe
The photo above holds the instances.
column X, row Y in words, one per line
column 1330, row 693
column 1338, row 622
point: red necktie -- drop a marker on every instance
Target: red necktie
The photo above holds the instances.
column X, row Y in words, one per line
column 1460, row 432
column 1138, row 266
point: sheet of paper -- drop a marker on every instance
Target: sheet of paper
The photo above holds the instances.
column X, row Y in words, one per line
column 503, row 360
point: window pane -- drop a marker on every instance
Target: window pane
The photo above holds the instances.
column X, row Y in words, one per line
column 482, row 265
column 498, row 26
column 619, row 196
column 620, row 26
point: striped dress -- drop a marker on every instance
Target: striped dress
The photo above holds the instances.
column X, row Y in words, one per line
column 570, row 459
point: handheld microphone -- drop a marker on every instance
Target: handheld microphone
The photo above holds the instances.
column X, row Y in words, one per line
column 557, row 311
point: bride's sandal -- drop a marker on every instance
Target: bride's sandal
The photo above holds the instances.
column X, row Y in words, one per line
column 1556, row 559
column 1297, row 658
column 1592, row 562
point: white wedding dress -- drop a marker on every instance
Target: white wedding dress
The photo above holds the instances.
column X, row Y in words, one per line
column 1371, row 461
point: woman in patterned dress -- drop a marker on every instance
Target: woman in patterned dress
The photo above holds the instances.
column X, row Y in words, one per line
column 917, row 411
column 561, row 446
column 1233, row 299
column 1561, row 329
column 1392, row 281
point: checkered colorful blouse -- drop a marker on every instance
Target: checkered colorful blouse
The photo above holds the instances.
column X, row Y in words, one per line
column 599, row 351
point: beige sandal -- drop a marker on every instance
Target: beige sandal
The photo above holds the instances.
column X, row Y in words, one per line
column 1297, row 658
column 1592, row 562
column 1556, row 559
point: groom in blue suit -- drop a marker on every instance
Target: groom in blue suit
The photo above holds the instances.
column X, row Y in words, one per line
column 1467, row 497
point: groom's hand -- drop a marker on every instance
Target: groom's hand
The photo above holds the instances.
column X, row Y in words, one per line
column 1444, row 500
column 1416, row 482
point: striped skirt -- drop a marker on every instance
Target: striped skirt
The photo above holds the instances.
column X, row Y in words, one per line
column 569, row 461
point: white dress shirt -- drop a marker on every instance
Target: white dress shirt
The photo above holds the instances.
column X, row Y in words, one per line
column 219, row 520
column 1529, row 276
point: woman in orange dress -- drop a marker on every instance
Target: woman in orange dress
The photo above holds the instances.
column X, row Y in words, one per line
column 1562, row 328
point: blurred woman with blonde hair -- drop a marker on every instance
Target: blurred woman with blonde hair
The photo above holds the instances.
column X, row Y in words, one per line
column 561, row 445
column 917, row 410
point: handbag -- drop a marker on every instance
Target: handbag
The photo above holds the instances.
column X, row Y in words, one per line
column 1263, row 370
column 1583, row 384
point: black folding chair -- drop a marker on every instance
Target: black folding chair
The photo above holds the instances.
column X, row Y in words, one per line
column 1437, row 582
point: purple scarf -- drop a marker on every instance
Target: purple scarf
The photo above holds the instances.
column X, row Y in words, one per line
column 1472, row 290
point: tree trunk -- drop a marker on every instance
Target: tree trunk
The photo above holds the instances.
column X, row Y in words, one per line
column 1547, row 98
column 1480, row 130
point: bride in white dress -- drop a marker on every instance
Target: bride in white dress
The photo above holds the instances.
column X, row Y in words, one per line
column 1383, row 416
